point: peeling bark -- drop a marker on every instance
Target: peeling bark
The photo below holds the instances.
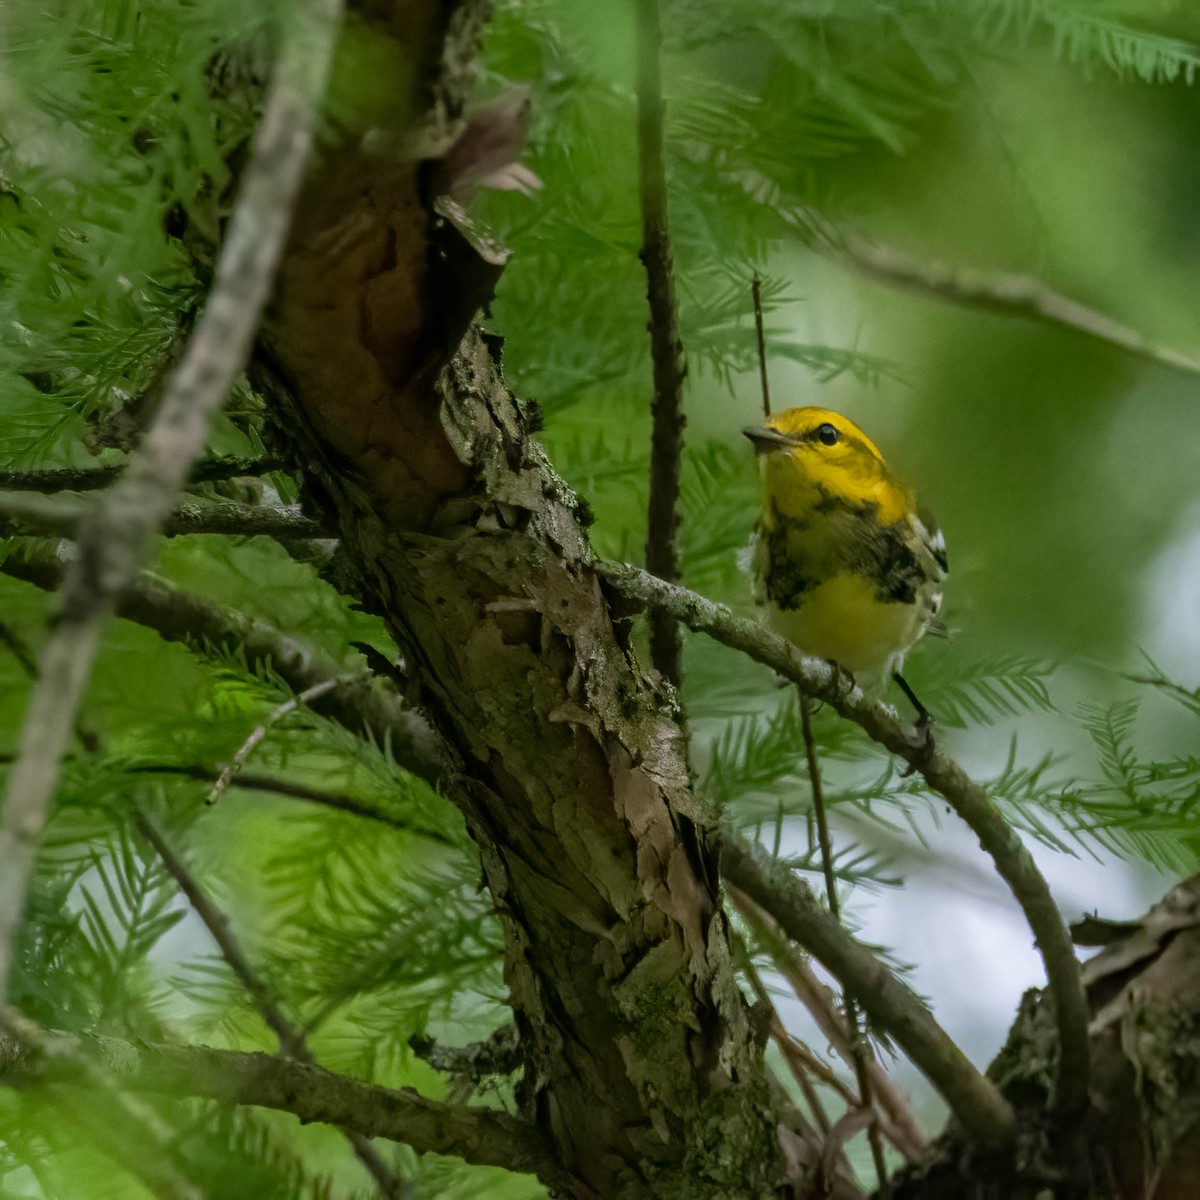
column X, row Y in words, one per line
column 642, row 1063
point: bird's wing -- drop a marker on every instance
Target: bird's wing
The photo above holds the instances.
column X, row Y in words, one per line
column 933, row 543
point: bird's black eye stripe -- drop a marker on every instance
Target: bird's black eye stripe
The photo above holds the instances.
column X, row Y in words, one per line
column 828, row 435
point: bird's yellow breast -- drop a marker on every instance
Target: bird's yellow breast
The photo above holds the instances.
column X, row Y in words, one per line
column 843, row 619
column 849, row 569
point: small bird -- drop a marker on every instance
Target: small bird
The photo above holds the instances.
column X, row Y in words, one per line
column 849, row 568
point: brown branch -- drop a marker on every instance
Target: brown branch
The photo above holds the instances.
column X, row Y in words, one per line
column 801, row 1068
column 116, row 536
column 15, row 645
column 365, row 707
column 126, row 1130
column 891, row 1004
column 855, row 1044
column 291, row 1039
column 998, row 292
column 826, row 682
column 90, row 479
column 32, row 512
column 499, row 1054
column 480, row 1136
column 666, row 349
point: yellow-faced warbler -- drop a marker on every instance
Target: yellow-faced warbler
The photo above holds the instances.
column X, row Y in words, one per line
column 849, row 569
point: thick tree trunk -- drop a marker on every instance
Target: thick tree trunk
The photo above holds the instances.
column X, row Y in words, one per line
column 641, row 1061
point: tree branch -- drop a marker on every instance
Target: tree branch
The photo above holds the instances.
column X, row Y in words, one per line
column 856, row 1048
column 291, row 1039
column 499, row 1054
column 666, row 349
column 130, row 1133
column 116, row 535
column 997, row 292
column 899, row 1124
column 339, row 802
column 233, row 768
column 33, row 512
column 974, row 1100
column 826, row 682
column 90, row 479
column 476, row 1135
column 364, row 706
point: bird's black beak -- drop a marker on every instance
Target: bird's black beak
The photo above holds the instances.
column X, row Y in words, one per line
column 766, row 440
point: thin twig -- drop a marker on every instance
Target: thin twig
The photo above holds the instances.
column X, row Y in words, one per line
column 269, row 785
column 983, row 1112
column 128, row 1131
column 760, row 334
column 476, row 1135
column 117, row 534
column 857, row 1046
column 291, row 1040
column 826, row 682
column 666, row 349
column 997, row 292
column 234, row 766
column 90, row 479
column 15, row 645
column 801, row 1069
column 898, row 1123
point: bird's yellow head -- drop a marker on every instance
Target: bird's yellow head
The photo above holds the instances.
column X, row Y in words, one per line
column 806, row 452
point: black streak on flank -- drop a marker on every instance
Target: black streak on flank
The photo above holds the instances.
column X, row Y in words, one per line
column 854, row 541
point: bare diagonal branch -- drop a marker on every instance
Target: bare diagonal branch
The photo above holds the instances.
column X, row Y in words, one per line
column 1000, row 292
column 973, row 1099
column 476, row 1135
column 291, row 1038
column 899, row 1123
column 117, row 534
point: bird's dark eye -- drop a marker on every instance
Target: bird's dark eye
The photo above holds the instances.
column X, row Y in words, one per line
column 828, row 434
